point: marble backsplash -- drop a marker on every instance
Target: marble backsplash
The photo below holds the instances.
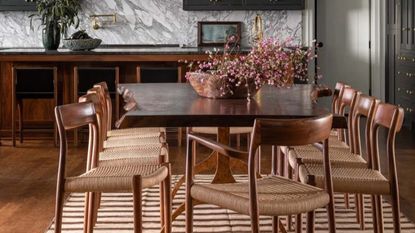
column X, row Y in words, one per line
column 150, row 22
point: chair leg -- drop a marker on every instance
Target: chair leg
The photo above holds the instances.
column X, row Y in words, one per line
column 162, row 205
column 347, row 200
column 168, row 204
column 137, row 197
column 299, row 223
column 255, row 224
column 92, row 211
column 275, row 224
column 362, row 211
column 374, row 214
column 189, row 213
column 179, row 136
column 86, row 212
column 59, row 210
column 20, row 115
column 310, row 222
column 396, row 212
column 287, row 171
column 379, row 216
column 238, row 141
column 357, row 207
column 331, row 215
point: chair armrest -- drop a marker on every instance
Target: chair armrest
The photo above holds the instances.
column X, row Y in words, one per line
column 219, row 147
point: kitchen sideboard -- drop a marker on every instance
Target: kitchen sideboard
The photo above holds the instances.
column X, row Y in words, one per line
column 132, row 64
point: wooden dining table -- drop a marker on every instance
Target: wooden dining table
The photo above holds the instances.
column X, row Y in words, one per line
column 178, row 105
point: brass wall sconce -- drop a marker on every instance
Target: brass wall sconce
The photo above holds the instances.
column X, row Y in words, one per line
column 97, row 24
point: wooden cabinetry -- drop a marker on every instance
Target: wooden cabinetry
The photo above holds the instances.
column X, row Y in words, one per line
column 195, row 5
column 17, row 5
column 274, row 4
column 400, row 52
column 212, row 4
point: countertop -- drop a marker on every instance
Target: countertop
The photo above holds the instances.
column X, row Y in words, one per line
column 115, row 50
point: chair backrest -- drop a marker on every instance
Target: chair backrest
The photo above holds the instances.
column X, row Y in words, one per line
column 74, row 116
column 292, row 132
column 105, row 121
column 95, row 100
column 104, row 89
column 364, row 106
column 338, row 90
column 390, row 117
column 346, row 102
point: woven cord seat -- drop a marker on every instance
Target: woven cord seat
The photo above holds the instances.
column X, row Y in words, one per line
column 346, row 180
column 276, row 196
column 143, row 132
column 116, row 179
column 134, row 155
column 133, row 142
column 214, row 130
column 341, row 157
column 138, row 136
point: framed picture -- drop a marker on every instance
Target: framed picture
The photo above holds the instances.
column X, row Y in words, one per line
column 217, row 33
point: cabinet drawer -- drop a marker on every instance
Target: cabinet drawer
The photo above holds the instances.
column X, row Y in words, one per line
column 409, row 111
column 405, row 59
column 405, row 76
column 212, row 4
column 275, row 4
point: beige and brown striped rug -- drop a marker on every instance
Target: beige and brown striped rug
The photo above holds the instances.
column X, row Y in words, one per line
column 115, row 215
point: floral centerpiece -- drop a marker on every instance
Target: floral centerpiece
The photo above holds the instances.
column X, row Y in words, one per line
column 230, row 74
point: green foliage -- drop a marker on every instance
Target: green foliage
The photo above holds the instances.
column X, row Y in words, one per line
column 62, row 12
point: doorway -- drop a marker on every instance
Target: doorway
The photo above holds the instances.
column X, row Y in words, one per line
column 344, row 29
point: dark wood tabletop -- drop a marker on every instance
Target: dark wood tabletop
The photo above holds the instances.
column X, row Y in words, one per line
column 177, row 105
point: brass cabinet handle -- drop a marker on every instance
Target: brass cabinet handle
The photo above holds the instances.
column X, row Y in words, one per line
column 398, row 72
column 406, row 29
column 409, row 110
column 399, row 89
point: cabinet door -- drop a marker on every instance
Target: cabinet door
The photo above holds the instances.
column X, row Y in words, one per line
column 404, row 24
column 212, row 4
column 274, row 4
column 411, row 24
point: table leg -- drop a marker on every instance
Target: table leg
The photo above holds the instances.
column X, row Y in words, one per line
column 223, row 172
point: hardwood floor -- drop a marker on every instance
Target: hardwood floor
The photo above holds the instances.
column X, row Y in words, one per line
column 28, row 179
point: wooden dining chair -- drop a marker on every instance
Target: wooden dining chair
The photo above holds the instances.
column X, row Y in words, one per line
column 148, row 137
column 100, row 177
column 140, row 155
column 272, row 195
column 127, row 132
column 368, row 180
column 363, row 106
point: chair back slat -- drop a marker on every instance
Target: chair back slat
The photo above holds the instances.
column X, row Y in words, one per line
column 387, row 114
column 346, row 102
column 294, row 132
column 103, row 105
column 338, row 91
column 364, row 106
column 95, row 100
column 73, row 116
column 390, row 117
column 106, row 93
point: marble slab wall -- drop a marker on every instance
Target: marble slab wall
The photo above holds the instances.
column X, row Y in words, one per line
column 150, row 22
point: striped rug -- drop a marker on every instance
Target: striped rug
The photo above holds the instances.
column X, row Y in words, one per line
column 116, row 211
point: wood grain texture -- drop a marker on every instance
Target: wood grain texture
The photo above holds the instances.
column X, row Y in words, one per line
column 177, row 105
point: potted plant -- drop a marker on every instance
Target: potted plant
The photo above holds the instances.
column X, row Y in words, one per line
column 56, row 16
column 229, row 74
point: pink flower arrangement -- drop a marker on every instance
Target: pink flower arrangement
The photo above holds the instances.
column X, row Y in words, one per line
column 269, row 62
